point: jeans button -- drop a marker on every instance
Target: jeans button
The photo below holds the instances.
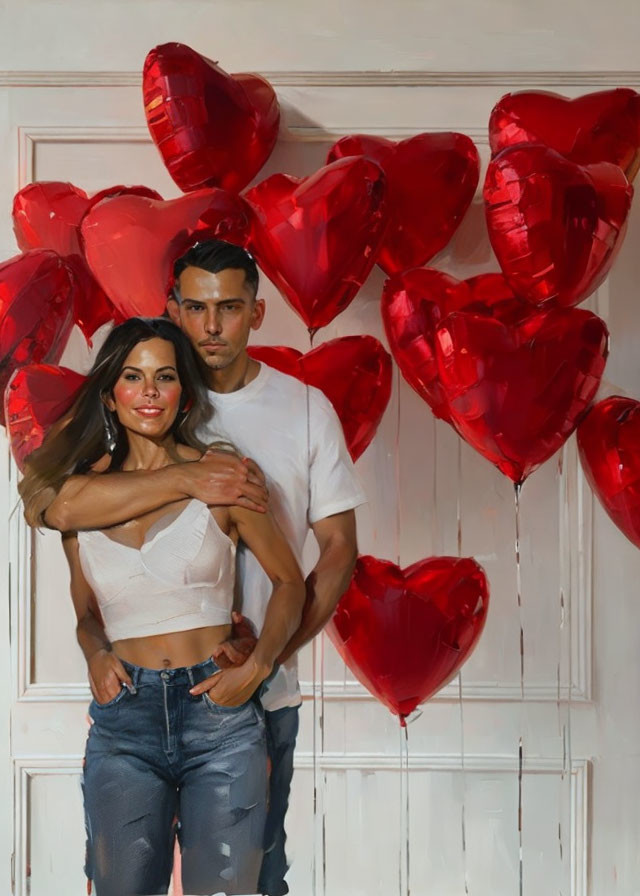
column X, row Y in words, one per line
column 165, row 676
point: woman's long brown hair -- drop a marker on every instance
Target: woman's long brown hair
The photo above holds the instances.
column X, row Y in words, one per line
column 78, row 441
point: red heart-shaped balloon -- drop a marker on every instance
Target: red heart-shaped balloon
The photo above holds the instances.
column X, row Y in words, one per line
column 131, row 242
column 47, row 215
column 516, row 392
column 596, row 127
column 431, row 180
column 317, row 238
column 405, row 633
column 212, row 129
column 415, row 303
column 36, row 397
column 354, row 372
column 36, row 301
column 609, row 446
column 556, row 227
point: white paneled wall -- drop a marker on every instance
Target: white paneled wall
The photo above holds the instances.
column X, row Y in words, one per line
column 578, row 720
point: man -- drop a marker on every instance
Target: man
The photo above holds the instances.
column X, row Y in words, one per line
column 296, row 438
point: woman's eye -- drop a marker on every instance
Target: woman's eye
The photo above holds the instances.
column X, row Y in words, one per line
column 131, row 376
column 167, row 376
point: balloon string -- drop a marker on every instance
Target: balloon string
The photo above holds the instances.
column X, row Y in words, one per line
column 565, row 628
column 435, row 529
column 318, row 707
column 517, row 489
column 404, row 865
column 463, row 772
column 561, row 563
column 460, row 704
column 459, row 500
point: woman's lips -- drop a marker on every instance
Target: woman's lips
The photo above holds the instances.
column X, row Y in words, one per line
column 148, row 411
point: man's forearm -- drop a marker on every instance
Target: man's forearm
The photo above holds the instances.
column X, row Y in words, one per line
column 325, row 586
column 95, row 502
column 284, row 614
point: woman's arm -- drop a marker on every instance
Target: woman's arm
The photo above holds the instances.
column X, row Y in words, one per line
column 106, row 672
column 265, row 540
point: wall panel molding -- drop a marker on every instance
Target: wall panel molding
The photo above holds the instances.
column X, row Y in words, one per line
column 26, row 768
column 507, row 79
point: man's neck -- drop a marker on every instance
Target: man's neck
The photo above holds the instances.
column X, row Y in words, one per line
column 236, row 376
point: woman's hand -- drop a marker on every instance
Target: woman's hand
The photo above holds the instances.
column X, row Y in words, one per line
column 233, row 686
column 106, row 676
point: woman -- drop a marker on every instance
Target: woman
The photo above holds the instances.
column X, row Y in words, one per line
column 153, row 598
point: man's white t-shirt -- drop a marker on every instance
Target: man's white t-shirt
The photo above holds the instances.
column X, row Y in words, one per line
column 293, row 433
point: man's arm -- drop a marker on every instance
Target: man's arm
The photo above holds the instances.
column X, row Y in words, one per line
column 329, row 579
column 98, row 501
column 265, row 540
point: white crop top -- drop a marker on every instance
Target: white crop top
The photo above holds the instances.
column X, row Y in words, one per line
column 181, row 578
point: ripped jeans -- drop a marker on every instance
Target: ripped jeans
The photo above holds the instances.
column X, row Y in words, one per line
column 158, row 755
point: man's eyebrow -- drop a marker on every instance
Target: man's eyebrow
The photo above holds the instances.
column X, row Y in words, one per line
column 217, row 301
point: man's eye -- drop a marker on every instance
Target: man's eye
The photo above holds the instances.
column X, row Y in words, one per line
column 195, row 307
column 231, row 307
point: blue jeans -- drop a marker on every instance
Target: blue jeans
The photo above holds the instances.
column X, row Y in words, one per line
column 158, row 755
column 282, row 730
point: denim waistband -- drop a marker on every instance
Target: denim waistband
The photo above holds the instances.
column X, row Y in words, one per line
column 183, row 675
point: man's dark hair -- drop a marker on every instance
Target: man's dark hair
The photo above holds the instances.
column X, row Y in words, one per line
column 215, row 256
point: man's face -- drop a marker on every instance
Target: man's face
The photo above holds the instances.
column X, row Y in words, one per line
column 217, row 312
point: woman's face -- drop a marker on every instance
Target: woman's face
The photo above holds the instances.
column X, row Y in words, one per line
column 146, row 395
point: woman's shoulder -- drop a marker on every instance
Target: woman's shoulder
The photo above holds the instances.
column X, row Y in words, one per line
column 187, row 453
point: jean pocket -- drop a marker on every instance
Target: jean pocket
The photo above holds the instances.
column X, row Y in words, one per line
column 118, row 697
column 216, row 707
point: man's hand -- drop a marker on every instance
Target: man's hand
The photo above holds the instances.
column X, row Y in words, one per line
column 233, row 686
column 220, row 477
column 106, row 676
column 238, row 646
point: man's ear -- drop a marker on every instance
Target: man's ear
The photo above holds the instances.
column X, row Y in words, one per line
column 173, row 310
column 257, row 313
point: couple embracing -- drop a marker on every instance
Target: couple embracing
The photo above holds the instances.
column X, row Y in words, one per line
column 184, row 482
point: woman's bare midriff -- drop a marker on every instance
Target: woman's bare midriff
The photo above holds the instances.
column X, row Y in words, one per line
column 173, row 650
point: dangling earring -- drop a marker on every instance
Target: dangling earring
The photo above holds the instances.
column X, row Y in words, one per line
column 110, row 431
column 184, row 412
